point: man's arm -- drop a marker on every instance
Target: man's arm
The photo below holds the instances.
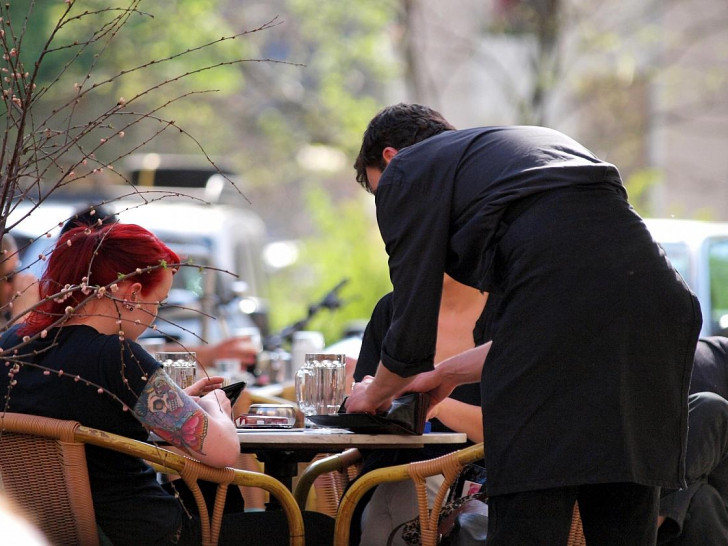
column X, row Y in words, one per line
column 466, row 367
column 462, row 368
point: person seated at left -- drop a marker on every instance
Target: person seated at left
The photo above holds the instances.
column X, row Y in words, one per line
column 76, row 358
column 18, row 288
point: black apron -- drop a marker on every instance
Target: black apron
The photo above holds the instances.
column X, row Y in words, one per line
column 584, row 382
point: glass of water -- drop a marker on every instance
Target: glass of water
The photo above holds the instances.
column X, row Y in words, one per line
column 320, row 383
column 180, row 366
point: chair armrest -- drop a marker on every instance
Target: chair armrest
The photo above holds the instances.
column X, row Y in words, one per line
column 337, row 461
column 192, row 470
column 394, row 474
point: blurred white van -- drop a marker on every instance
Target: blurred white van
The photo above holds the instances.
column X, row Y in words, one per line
column 699, row 251
column 211, row 304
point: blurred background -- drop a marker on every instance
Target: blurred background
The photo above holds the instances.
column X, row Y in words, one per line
column 281, row 113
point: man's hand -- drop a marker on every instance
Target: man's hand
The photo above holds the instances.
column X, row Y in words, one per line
column 361, row 401
column 376, row 393
column 216, row 403
column 433, row 384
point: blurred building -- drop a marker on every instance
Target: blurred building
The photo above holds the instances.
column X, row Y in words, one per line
column 642, row 84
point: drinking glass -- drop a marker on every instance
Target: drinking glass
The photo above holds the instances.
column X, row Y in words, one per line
column 320, row 383
column 180, row 366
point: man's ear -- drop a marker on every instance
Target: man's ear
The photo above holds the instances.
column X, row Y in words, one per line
column 388, row 153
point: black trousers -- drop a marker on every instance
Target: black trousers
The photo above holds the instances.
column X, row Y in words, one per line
column 617, row 513
column 240, row 528
column 261, row 528
column 698, row 515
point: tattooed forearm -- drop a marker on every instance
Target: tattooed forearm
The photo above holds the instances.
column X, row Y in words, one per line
column 168, row 411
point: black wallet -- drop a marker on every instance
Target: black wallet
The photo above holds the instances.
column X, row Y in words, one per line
column 407, row 415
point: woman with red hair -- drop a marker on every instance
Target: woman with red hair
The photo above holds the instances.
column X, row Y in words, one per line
column 101, row 289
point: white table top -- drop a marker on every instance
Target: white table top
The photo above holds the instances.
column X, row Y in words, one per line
column 321, row 439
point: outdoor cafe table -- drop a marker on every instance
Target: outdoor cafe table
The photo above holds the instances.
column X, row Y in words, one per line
column 281, row 450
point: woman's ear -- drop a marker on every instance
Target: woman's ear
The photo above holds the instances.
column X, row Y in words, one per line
column 131, row 292
column 136, row 291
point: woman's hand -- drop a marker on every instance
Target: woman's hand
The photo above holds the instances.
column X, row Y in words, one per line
column 204, row 386
column 460, row 417
column 215, row 402
column 433, row 411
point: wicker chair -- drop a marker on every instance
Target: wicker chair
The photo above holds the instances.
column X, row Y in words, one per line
column 330, row 475
column 449, row 466
column 43, row 471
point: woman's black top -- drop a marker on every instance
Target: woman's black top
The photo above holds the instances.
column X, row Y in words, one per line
column 131, row 506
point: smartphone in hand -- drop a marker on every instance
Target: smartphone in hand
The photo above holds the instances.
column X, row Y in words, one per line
column 233, row 391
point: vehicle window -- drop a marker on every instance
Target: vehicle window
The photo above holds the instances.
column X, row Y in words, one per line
column 191, row 279
column 718, row 264
column 679, row 256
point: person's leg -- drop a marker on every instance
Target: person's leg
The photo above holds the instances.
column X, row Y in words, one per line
column 707, row 456
column 233, row 500
column 706, row 521
column 271, row 529
column 619, row 513
column 391, row 504
column 706, row 462
column 531, row 517
column 707, row 445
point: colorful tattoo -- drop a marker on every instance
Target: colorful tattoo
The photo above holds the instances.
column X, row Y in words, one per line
column 168, row 411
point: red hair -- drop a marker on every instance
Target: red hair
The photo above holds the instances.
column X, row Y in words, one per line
column 100, row 255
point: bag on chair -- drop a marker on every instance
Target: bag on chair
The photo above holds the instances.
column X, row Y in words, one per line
column 463, row 519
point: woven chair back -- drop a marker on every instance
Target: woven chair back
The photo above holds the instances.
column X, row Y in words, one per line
column 46, row 477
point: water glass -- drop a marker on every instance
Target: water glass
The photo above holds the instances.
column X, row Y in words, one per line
column 180, row 366
column 320, row 383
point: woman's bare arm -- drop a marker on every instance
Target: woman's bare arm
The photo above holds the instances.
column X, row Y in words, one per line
column 460, row 417
column 202, row 428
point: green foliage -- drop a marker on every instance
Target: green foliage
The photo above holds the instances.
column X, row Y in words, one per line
column 718, row 267
column 150, row 32
column 334, row 68
column 346, row 244
column 638, row 187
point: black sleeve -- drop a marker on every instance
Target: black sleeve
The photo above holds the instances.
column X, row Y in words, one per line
column 371, row 344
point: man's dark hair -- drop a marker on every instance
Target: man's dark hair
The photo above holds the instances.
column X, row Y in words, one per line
column 398, row 126
column 91, row 216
